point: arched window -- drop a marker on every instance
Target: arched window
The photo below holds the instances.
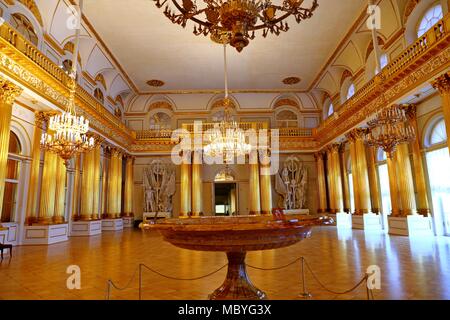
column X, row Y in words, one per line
column 351, row 91
column 429, row 19
column 439, row 179
column 98, row 94
column 383, row 63
column 24, row 26
column 12, row 180
column 330, row 110
column 287, row 119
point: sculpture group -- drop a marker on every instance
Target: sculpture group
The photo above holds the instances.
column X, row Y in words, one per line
column 291, row 183
column 159, row 187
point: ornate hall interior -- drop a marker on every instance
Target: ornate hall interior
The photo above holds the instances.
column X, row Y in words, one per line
column 182, row 137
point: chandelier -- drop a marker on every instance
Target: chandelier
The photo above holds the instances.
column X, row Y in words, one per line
column 226, row 138
column 388, row 129
column 67, row 132
column 235, row 21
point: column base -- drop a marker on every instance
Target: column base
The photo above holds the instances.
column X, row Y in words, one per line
column 112, row 224
column 46, row 234
column 411, row 226
column 12, row 232
column 343, row 220
column 128, row 222
column 367, row 222
column 86, row 228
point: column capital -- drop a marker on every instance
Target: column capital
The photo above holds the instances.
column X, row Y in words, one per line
column 319, row 155
column 334, row 147
column 410, row 110
column 357, row 134
column 442, row 83
column 9, row 91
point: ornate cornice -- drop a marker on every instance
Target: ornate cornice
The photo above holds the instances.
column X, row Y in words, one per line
column 442, row 83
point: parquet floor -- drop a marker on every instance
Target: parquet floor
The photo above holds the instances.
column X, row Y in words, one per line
column 410, row 269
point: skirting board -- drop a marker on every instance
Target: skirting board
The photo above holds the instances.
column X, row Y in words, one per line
column 112, row 224
column 128, row 222
column 86, row 228
column 46, row 234
column 411, row 226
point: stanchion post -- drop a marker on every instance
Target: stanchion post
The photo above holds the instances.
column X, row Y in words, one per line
column 305, row 294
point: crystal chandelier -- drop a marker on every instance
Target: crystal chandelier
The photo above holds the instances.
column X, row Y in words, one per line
column 388, row 129
column 226, row 138
column 67, row 132
column 236, row 20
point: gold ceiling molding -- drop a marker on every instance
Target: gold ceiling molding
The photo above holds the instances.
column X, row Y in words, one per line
column 161, row 105
column 220, row 104
column 286, row 102
column 101, row 79
column 31, row 5
column 409, row 9
column 221, row 91
column 53, row 44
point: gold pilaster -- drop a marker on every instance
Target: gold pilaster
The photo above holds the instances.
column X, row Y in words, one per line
column 330, row 180
column 129, row 184
column 265, row 180
column 321, row 182
column 338, row 206
column 197, row 191
column 104, row 199
column 119, row 185
column 355, row 180
column 76, row 188
column 255, row 196
column 8, row 93
column 406, row 183
column 345, row 184
column 96, row 181
column 33, row 183
column 375, row 197
column 185, row 194
column 60, row 192
column 112, row 184
column 393, row 185
column 419, row 171
column 48, row 188
column 443, row 85
column 87, row 187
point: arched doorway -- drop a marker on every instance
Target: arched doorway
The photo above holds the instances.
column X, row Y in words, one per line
column 225, row 193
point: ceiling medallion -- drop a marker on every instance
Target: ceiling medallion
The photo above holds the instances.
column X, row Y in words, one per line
column 291, row 80
column 155, row 83
column 236, row 19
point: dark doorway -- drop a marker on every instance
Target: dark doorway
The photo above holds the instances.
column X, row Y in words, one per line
column 225, row 202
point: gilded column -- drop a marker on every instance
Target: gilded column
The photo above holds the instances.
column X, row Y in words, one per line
column 265, row 184
column 375, row 197
column 96, row 180
column 345, row 185
column 33, row 183
column 197, row 191
column 185, row 196
column 104, row 200
column 87, row 187
column 255, row 197
column 363, row 181
column 119, row 185
column 443, row 85
column 337, row 181
column 129, row 185
column 406, row 183
column 419, row 172
column 393, row 185
column 8, row 93
column 60, row 193
column 321, row 182
column 330, row 180
column 355, row 180
column 76, row 188
column 48, row 188
column 112, row 185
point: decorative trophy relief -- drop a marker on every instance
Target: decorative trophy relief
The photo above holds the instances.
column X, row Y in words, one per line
column 159, row 187
column 291, row 184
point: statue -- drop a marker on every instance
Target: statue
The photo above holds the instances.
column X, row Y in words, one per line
column 291, row 183
column 159, row 187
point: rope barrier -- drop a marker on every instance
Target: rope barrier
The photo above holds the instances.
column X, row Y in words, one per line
column 305, row 294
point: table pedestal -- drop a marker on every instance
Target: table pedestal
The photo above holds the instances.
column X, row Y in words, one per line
column 237, row 285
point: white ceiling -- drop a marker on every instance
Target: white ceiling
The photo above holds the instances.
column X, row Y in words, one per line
column 149, row 46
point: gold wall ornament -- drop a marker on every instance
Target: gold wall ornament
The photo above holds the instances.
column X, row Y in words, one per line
column 156, row 83
column 235, row 21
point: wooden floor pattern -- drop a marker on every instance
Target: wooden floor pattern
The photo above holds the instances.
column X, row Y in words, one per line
column 410, row 269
